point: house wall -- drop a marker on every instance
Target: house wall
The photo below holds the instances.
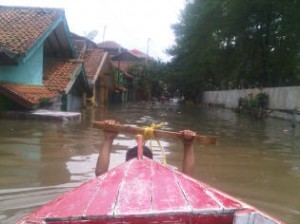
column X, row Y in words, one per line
column 29, row 72
column 104, row 83
column 65, row 102
column 74, row 103
column 56, row 104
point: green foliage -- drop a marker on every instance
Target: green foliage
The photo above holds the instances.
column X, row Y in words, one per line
column 44, row 100
column 150, row 78
column 226, row 44
column 259, row 101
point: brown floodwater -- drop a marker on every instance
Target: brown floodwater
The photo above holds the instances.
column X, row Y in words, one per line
column 257, row 161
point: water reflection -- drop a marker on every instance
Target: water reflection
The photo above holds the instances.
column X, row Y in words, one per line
column 255, row 160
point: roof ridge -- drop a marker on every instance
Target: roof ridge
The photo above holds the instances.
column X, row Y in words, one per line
column 30, row 7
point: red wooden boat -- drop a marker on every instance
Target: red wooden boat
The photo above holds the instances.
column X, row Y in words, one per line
column 145, row 191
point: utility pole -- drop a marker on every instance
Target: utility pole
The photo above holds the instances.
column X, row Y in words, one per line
column 103, row 38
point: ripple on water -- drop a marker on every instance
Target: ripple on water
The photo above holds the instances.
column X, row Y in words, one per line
column 253, row 160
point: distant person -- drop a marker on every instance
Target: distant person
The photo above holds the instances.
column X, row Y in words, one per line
column 109, row 136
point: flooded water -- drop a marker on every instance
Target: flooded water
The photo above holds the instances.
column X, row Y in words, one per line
column 257, row 161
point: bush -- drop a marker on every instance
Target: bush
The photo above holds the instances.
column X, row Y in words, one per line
column 257, row 105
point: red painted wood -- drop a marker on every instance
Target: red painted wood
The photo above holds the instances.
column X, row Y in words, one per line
column 142, row 191
column 70, row 204
column 104, row 201
column 203, row 196
column 135, row 195
column 198, row 195
column 227, row 201
column 167, row 195
column 101, row 192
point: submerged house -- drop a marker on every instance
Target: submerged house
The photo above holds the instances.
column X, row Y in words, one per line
column 127, row 68
column 124, row 81
column 124, row 64
column 99, row 69
column 39, row 67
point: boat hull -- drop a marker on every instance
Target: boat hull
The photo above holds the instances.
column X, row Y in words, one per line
column 145, row 191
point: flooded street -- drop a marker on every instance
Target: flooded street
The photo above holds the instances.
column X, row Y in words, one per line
column 257, row 161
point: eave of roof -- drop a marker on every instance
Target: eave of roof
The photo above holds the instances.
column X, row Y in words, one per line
column 26, row 95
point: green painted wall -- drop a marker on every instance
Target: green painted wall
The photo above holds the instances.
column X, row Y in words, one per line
column 29, row 72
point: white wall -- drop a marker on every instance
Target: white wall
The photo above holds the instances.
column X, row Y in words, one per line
column 282, row 98
column 286, row 98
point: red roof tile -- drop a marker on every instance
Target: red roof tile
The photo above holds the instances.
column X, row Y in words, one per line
column 26, row 95
column 58, row 74
column 20, row 27
column 92, row 61
column 57, row 77
column 138, row 53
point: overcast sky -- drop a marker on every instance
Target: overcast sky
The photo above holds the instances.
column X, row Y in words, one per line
column 132, row 23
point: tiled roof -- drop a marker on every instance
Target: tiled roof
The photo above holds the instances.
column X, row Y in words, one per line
column 57, row 77
column 79, row 47
column 26, row 95
column 92, row 61
column 58, row 74
column 91, row 55
column 138, row 53
column 20, row 27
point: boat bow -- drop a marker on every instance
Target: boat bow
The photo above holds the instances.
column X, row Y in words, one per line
column 145, row 191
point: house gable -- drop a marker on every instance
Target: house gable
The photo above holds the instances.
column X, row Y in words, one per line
column 96, row 60
column 37, row 57
column 27, row 36
column 25, row 29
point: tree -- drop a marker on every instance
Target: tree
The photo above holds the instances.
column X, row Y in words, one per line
column 149, row 78
column 237, row 44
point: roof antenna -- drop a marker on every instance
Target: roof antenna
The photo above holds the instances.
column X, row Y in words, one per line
column 91, row 35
